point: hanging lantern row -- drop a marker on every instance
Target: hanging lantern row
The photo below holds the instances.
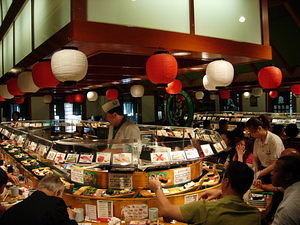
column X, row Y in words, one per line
column 76, row 98
column 47, row 99
column 174, row 87
column 246, row 94
column 112, row 94
column 92, row 96
column 270, row 77
column 19, row 100
column 295, row 89
column 161, row 68
column 219, row 73
column 137, row 91
column 69, row 65
column 207, row 85
column 273, row 94
column 13, row 87
column 224, row 94
column 4, row 93
column 199, row 95
column 42, row 75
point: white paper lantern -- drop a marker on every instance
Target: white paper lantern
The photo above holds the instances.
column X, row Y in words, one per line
column 213, row 97
column 137, row 91
column 257, row 92
column 69, row 65
column 220, row 73
column 4, row 92
column 199, row 95
column 25, row 82
column 246, row 94
column 207, row 85
column 47, row 99
column 92, row 96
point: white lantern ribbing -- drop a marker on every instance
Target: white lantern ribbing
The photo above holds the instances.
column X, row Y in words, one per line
column 257, row 92
column 25, row 82
column 137, row 91
column 246, row 94
column 69, row 65
column 199, row 95
column 208, row 85
column 4, row 92
column 92, row 96
column 47, row 99
column 220, row 73
column 213, row 97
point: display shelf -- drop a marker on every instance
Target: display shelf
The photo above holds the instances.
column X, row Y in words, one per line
column 120, row 176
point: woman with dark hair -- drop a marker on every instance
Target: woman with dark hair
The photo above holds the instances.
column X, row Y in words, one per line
column 267, row 146
column 243, row 152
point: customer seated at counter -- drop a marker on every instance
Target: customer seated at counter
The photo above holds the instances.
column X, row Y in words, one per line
column 286, row 174
column 243, row 152
column 292, row 141
column 230, row 209
column 44, row 207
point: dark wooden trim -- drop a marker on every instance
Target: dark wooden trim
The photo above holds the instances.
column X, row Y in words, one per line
column 79, row 10
column 14, row 43
column 118, row 35
column 264, row 9
column 12, row 12
column 192, row 17
column 287, row 4
column 32, row 25
column 281, row 59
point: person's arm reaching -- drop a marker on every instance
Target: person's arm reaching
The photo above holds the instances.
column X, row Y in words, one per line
column 211, row 194
column 165, row 207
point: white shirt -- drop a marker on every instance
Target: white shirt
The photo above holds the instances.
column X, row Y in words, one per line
column 269, row 150
column 288, row 211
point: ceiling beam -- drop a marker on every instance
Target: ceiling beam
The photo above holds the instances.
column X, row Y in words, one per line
column 288, row 6
column 276, row 54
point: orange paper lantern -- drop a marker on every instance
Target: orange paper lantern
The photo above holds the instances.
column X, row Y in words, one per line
column 19, row 100
column 224, row 94
column 112, row 94
column 270, row 77
column 79, row 98
column 13, row 87
column 273, row 94
column 174, row 87
column 161, row 68
column 42, row 75
column 295, row 89
column 70, row 99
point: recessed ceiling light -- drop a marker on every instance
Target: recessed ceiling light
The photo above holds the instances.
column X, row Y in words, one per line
column 86, row 88
column 242, row 19
column 181, row 53
column 115, row 82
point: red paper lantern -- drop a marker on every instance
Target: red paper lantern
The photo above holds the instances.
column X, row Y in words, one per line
column 42, row 75
column 224, row 94
column 79, row 98
column 13, row 87
column 270, row 77
column 174, row 87
column 70, row 99
column 2, row 99
column 19, row 100
column 295, row 89
column 161, row 68
column 112, row 94
column 273, row 94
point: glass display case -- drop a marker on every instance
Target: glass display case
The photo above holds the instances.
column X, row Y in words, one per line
column 94, row 171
